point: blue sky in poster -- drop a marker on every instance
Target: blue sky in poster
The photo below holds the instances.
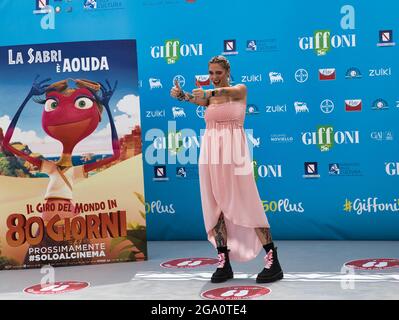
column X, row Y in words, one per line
column 17, row 78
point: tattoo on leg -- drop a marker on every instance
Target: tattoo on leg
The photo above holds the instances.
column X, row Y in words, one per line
column 264, row 235
column 220, row 232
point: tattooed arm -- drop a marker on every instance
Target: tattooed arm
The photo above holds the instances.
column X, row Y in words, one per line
column 178, row 93
column 237, row 92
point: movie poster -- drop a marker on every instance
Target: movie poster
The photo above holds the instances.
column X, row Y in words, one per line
column 71, row 176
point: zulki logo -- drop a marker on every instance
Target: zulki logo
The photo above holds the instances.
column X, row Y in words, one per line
column 322, row 40
column 325, row 137
column 173, row 50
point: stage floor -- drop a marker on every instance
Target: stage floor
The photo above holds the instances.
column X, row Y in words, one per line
column 313, row 270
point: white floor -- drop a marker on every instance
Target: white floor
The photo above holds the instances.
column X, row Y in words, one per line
column 313, row 270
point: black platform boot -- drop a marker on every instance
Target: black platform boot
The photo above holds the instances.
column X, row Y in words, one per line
column 272, row 270
column 224, row 271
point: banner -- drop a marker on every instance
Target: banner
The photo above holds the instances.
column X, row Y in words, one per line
column 71, row 176
column 321, row 116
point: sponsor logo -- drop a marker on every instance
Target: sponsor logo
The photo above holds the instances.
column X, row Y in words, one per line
column 380, row 104
column 261, row 45
column 327, row 74
column 200, row 111
column 252, row 109
column 275, row 77
column 42, row 7
column 382, row 72
column 252, row 78
column 385, row 38
column 370, row 205
column 235, row 293
column 173, row 50
column 300, row 107
column 282, row 205
column 381, row 135
column 160, row 173
column 325, row 137
column 373, row 264
column 189, row 263
column 202, row 80
column 322, row 42
column 344, row 169
column 276, row 108
column 155, row 83
column 158, row 207
column 229, row 47
column 57, row 287
column 101, row 4
column 178, row 112
column 311, row 170
column 89, row 4
column 155, row 114
column 327, row 106
column 392, row 168
column 281, row 138
column 185, row 172
column 353, row 73
column 267, row 171
column 301, row 75
column 353, row 105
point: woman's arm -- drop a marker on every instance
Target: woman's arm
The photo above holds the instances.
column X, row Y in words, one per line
column 178, row 93
column 237, row 92
column 198, row 101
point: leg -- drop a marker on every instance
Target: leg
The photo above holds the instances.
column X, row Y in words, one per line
column 264, row 235
column 223, row 271
column 272, row 270
column 220, row 232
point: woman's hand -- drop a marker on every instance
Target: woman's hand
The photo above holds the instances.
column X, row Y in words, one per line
column 176, row 91
column 201, row 93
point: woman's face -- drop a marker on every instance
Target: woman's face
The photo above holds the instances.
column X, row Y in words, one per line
column 218, row 75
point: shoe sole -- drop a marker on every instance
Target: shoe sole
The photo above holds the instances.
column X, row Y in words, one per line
column 278, row 276
column 219, row 280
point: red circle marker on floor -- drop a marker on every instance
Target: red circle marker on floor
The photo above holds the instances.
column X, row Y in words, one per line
column 189, row 263
column 236, row 293
column 373, row 264
column 57, row 287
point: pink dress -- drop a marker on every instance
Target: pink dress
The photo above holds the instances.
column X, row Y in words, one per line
column 227, row 183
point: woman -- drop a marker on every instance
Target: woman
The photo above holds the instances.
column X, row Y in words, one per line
column 234, row 218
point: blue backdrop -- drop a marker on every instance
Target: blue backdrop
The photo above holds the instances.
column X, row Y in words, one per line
column 322, row 106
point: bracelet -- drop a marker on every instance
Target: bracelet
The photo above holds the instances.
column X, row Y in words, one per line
column 181, row 96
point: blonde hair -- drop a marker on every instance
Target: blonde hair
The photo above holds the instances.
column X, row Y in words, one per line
column 222, row 61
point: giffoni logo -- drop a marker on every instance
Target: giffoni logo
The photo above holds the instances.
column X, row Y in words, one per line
column 325, row 137
column 173, row 50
